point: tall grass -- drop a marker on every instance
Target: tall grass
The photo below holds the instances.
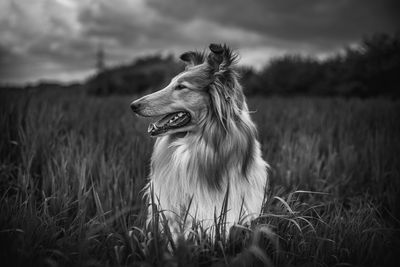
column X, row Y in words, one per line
column 72, row 168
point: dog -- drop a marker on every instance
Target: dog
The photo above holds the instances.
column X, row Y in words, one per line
column 207, row 162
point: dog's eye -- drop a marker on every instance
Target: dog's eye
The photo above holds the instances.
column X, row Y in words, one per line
column 180, row 87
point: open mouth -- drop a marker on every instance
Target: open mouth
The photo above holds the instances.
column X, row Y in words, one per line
column 168, row 122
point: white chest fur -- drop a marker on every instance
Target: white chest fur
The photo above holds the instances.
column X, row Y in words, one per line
column 175, row 181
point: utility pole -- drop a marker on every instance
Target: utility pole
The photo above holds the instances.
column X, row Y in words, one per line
column 100, row 59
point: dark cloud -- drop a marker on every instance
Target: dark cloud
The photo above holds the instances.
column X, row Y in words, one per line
column 58, row 38
column 148, row 28
column 323, row 22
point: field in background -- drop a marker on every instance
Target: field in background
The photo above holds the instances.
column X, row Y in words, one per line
column 72, row 167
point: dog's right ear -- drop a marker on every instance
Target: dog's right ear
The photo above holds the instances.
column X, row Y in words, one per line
column 192, row 58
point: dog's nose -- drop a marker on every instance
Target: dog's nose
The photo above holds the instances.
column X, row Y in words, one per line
column 135, row 106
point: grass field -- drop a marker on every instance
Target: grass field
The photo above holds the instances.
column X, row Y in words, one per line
column 72, row 167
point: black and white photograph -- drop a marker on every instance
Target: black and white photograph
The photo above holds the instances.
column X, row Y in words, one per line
column 199, row 133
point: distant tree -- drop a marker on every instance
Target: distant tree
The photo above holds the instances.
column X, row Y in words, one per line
column 250, row 80
column 147, row 73
column 291, row 75
column 380, row 54
column 368, row 70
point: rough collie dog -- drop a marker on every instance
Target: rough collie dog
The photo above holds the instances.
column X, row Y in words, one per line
column 206, row 159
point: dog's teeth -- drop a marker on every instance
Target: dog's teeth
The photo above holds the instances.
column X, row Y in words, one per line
column 171, row 120
column 180, row 114
column 152, row 127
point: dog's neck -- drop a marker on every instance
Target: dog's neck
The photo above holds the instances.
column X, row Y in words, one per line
column 179, row 135
column 215, row 151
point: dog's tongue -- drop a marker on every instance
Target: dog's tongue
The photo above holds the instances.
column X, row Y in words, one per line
column 170, row 121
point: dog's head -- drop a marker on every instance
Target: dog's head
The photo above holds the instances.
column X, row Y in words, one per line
column 207, row 87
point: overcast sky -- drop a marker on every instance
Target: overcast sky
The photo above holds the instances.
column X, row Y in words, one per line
column 57, row 39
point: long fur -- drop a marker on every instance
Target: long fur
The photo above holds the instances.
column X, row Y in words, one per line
column 221, row 158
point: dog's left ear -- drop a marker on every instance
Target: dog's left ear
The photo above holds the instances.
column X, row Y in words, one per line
column 192, row 58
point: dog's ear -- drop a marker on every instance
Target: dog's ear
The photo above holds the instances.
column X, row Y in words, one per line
column 192, row 58
column 216, row 56
column 221, row 57
column 220, row 61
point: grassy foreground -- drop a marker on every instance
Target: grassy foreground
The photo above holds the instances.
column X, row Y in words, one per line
column 72, row 168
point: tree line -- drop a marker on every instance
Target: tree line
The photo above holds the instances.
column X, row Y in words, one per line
column 371, row 69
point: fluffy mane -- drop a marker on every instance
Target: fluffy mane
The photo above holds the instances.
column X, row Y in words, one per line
column 226, row 129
